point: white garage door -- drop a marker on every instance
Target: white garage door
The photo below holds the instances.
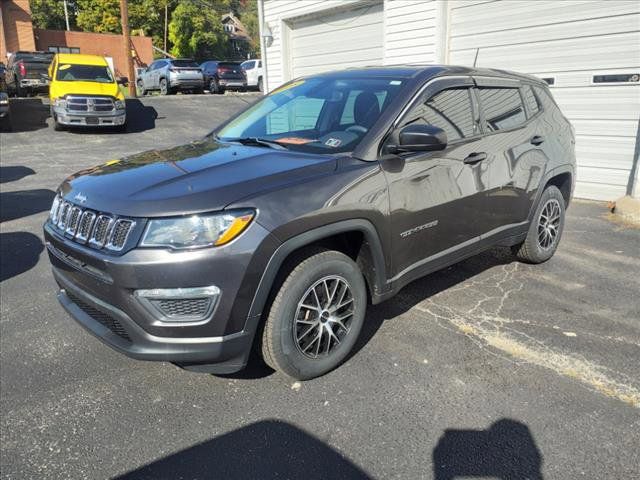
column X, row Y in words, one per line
column 336, row 41
column 574, row 44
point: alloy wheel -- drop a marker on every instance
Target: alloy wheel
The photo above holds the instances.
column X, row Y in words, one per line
column 323, row 316
column 549, row 224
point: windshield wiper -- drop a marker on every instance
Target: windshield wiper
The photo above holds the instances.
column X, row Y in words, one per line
column 259, row 141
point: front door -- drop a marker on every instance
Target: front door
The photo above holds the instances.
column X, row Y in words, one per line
column 437, row 199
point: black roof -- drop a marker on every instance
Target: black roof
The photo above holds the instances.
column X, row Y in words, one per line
column 425, row 71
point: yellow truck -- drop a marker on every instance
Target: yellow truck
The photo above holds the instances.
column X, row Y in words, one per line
column 83, row 91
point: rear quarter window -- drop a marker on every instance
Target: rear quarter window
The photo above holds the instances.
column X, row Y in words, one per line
column 530, row 100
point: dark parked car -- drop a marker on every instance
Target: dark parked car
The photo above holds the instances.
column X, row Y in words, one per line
column 170, row 76
column 331, row 192
column 218, row 76
column 27, row 73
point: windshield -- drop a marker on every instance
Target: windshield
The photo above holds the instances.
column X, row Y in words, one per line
column 184, row 63
column 320, row 115
column 86, row 73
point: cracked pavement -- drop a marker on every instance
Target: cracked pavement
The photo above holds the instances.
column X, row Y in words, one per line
column 489, row 368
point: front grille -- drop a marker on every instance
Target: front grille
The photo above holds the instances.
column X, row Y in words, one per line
column 101, row 317
column 89, row 104
column 99, row 230
column 183, row 307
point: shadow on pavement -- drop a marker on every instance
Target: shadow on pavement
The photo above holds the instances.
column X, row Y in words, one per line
column 22, row 203
column 28, row 114
column 269, row 449
column 505, row 451
column 19, row 253
column 426, row 287
column 12, row 174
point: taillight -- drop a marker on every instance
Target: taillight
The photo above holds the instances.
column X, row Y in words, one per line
column 223, row 70
column 23, row 69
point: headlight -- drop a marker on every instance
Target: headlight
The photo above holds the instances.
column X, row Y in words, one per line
column 197, row 230
column 60, row 102
column 120, row 105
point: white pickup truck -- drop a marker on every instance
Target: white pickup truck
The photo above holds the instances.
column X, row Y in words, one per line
column 253, row 70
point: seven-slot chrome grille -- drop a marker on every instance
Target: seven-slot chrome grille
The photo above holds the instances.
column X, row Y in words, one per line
column 98, row 230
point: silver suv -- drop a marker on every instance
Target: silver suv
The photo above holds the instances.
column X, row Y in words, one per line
column 171, row 75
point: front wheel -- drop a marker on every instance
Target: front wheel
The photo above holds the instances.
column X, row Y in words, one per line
column 545, row 230
column 141, row 91
column 164, row 87
column 316, row 315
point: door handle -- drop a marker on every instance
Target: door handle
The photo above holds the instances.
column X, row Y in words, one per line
column 475, row 158
column 537, row 140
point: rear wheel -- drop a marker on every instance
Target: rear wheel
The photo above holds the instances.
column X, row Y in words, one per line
column 316, row 315
column 260, row 86
column 214, row 87
column 545, row 230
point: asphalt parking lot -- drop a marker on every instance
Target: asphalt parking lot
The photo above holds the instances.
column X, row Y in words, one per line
column 488, row 369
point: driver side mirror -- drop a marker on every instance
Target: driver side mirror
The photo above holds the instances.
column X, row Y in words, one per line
column 419, row 138
column 123, row 81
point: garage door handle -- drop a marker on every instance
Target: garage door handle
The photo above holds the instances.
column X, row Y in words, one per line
column 537, row 140
column 475, row 158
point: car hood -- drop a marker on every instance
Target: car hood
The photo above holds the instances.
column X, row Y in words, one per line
column 197, row 177
column 59, row 89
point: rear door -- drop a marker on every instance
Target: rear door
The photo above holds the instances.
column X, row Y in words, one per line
column 437, row 199
column 515, row 159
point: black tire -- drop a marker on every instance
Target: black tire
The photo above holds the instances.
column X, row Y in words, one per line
column 164, row 87
column 260, row 85
column 280, row 349
column 141, row 91
column 545, row 230
column 214, row 87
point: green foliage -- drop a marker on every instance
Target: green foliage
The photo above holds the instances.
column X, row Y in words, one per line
column 196, row 32
column 49, row 14
column 195, row 28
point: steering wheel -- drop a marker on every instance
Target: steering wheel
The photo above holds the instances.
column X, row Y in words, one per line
column 357, row 129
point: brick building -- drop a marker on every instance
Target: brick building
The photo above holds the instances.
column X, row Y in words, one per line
column 17, row 33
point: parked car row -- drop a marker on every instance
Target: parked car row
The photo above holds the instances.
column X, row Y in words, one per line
column 169, row 76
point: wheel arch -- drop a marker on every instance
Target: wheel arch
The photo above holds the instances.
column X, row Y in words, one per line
column 341, row 236
column 562, row 177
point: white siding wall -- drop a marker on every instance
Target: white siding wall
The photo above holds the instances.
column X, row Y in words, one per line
column 410, row 32
column 570, row 41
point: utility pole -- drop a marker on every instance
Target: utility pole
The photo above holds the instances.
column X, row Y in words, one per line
column 126, row 40
column 66, row 14
column 166, row 17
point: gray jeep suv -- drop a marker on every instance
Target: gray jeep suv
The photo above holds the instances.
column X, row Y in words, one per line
column 171, row 75
column 332, row 192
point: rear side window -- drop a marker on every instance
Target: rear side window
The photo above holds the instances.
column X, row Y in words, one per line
column 184, row 63
column 503, row 108
column 449, row 110
column 531, row 101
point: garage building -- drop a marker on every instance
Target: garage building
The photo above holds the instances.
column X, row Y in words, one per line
column 588, row 51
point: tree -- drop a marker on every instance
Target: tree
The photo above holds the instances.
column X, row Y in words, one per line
column 248, row 15
column 99, row 16
column 49, row 14
column 196, row 31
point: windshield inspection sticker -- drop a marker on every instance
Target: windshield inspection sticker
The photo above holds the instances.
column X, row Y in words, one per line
column 333, row 142
column 64, row 67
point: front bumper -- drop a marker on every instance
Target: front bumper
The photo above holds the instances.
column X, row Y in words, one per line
column 96, row 289
column 90, row 119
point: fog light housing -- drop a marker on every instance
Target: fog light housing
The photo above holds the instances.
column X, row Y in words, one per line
column 179, row 306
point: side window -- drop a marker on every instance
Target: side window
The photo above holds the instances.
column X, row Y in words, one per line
column 449, row 110
column 299, row 114
column 530, row 101
column 502, row 108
